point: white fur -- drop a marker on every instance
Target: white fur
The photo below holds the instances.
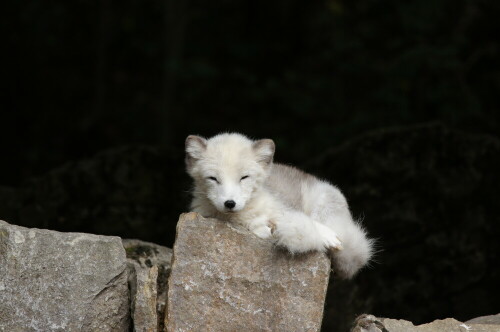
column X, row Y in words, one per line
column 301, row 212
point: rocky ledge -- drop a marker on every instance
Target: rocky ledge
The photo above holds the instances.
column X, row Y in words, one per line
column 370, row 323
column 222, row 278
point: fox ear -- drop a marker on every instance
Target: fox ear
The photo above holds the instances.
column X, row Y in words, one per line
column 264, row 150
column 195, row 146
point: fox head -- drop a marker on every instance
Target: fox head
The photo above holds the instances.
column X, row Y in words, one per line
column 228, row 168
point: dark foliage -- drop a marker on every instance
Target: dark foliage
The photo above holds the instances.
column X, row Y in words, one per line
column 133, row 192
column 429, row 195
column 84, row 76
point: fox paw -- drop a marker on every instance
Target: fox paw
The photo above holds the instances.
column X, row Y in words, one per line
column 263, row 231
column 330, row 238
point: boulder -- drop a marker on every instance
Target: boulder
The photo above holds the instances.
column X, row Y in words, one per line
column 370, row 323
column 492, row 320
column 52, row 281
column 144, row 295
column 149, row 266
column 224, row 278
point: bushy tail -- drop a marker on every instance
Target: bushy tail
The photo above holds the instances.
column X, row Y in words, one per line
column 356, row 253
column 349, row 244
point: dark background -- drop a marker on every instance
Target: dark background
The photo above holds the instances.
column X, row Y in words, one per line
column 394, row 101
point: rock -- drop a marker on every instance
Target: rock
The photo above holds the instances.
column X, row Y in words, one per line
column 149, row 264
column 444, row 325
column 143, row 293
column 429, row 195
column 51, row 281
column 226, row 279
column 492, row 320
column 370, row 323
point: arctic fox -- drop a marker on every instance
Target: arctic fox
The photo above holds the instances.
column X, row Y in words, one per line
column 236, row 180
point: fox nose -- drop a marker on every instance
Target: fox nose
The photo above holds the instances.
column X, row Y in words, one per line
column 230, row 204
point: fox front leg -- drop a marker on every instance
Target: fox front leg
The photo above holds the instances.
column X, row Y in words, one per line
column 261, row 226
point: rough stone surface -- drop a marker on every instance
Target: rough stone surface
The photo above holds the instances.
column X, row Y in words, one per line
column 492, row 319
column 143, row 297
column 149, row 264
column 51, row 281
column 226, row 279
column 370, row 323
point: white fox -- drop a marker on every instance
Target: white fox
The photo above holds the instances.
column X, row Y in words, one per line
column 236, row 180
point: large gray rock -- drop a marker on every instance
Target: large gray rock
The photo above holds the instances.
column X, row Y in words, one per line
column 492, row 319
column 370, row 323
column 149, row 266
column 51, row 281
column 144, row 294
column 226, row 279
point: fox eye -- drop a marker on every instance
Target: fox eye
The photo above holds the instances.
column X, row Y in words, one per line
column 244, row 177
column 213, row 178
